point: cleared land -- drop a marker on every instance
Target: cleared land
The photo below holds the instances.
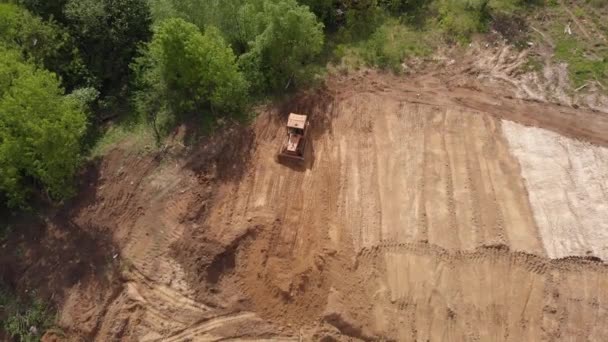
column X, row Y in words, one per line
column 429, row 212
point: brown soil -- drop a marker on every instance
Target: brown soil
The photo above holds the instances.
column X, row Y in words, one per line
column 413, row 220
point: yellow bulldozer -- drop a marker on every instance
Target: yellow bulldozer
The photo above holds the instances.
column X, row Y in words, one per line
column 293, row 147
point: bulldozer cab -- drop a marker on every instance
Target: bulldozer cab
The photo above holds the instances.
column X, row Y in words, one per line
column 297, row 122
column 295, row 131
column 295, row 142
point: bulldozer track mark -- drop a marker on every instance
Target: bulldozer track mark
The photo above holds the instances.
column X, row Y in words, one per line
column 165, row 294
column 453, row 279
column 208, row 326
column 532, row 262
column 423, row 227
column 451, row 205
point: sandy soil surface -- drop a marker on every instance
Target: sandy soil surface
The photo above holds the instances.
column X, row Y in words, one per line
column 428, row 210
column 412, row 221
column 567, row 181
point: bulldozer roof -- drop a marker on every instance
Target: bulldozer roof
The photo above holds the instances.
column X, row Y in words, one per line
column 296, row 121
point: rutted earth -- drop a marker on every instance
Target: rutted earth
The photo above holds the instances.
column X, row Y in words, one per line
column 428, row 212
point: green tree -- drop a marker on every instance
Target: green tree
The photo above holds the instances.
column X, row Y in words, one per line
column 185, row 71
column 205, row 13
column 48, row 9
column 45, row 43
column 284, row 38
column 109, row 33
column 413, row 11
column 328, row 11
column 40, row 131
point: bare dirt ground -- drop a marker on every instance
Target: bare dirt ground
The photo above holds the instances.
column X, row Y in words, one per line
column 412, row 223
column 430, row 210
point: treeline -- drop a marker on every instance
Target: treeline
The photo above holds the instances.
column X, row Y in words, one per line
column 61, row 63
column 68, row 65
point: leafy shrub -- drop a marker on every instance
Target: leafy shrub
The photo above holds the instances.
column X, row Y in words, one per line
column 461, row 18
column 361, row 20
column 413, row 11
column 327, row 11
column 204, row 13
column 25, row 321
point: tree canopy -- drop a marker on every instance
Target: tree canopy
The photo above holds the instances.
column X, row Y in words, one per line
column 283, row 37
column 45, row 43
column 40, row 131
column 108, row 34
column 185, row 71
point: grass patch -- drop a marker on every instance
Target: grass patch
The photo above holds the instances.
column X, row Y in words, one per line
column 136, row 136
column 586, row 60
column 533, row 64
column 584, row 64
column 392, row 43
column 24, row 320
column 460, row 19
column 387, row 47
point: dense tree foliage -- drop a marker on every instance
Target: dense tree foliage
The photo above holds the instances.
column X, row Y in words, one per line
column 47, row 9
column 275, row 40
column 330, row 12
column 186, row 71
column 284, row 37
column 203, row 13
column 40, row 131
column 208, row 58
column 45, row 43
column 36, row 38
column 108, row 33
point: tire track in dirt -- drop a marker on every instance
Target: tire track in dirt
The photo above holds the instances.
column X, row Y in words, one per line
column 385, row 173
column 463, row 194
column 147, row 209
column 156, row 285
column 412, row 221
column 205, row 330
column 459, row 295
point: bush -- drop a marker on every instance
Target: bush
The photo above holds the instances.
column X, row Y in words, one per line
column 327, row 11
column 205, row 13
column 25, row 321
column 413, row 11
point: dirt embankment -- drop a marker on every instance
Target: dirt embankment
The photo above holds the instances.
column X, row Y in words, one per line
column 419, row 217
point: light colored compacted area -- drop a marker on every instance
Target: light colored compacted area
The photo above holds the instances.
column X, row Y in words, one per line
column 567, row 183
